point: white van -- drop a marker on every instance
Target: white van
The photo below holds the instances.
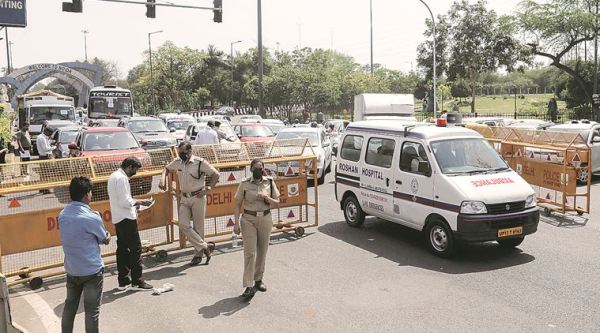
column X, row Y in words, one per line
column 446, row 181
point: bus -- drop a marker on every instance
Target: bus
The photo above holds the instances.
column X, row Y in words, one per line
column 109, row 102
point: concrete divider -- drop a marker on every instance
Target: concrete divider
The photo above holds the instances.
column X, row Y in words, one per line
column 6, row 324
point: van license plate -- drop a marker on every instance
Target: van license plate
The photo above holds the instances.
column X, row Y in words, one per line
column 510, row 232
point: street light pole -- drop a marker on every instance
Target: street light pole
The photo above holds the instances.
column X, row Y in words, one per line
column 260, row 60
column 434, row 63
column 10, row 47
column 151, row 72
column 371, row 24
column 8, row 64
column 85, row 32
column 232, row 70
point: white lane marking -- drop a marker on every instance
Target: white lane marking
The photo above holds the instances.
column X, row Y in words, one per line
column 45, row 313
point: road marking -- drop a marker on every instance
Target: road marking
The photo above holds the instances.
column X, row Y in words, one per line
column 47, row 316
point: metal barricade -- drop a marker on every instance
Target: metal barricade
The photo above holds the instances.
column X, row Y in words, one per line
column 549, row 161
column 35, row 192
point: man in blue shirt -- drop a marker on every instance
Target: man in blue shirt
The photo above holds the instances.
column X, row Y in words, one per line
column 81, row 233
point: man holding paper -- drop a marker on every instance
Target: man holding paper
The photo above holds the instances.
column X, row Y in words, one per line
column 123, row 209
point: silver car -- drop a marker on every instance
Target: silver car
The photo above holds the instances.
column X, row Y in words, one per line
column 590, row 131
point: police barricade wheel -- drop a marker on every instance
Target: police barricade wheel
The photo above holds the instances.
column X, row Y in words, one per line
column 36, row 283
column 161, row 256
column 279, row 225
column 547, row 211
column 579, row 213
column 24, row 275
column 299, row 231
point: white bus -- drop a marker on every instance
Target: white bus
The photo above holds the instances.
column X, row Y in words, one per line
column 109, row 102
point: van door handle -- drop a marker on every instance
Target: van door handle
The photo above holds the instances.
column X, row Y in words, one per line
column 399, row 182
column 387, row 182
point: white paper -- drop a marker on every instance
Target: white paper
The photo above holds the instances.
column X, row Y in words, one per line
column 26, row 154
column 152, row 201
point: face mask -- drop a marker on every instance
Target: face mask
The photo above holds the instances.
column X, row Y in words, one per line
column 183, row 156
column 257, row 173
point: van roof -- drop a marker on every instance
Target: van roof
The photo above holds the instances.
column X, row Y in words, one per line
column 420, row 130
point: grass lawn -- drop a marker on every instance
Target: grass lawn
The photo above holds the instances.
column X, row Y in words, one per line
column 506, row 104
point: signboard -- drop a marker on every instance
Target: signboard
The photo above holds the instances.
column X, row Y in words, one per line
column 548, row 175
column 13, row 13
column 39, row 229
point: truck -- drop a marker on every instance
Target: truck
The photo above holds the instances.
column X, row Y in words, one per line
column 36, row 107
column 384, row 106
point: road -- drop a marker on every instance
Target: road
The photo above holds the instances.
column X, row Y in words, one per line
column 375, row 279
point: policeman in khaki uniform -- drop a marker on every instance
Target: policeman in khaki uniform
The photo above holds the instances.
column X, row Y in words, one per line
column 192, row 171
column 257, row 194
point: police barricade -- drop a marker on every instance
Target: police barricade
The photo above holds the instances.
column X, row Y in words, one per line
column 34, row 193
column 289, row 162
column 552, row 162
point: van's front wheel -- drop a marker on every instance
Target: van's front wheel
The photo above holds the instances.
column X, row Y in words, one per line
column 354, row 215
column 440, row 239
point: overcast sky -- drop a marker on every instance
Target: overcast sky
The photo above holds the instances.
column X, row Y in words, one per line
column 118, row 32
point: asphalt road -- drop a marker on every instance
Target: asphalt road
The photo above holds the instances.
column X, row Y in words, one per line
column 374, row 279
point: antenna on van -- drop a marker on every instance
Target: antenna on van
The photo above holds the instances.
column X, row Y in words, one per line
column 408, row 128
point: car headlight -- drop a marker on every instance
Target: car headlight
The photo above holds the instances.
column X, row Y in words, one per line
column 531, row 201
column 473, row 207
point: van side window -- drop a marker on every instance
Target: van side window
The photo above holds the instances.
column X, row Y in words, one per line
column 351, row 147
column 414, row 159
column 380, row 152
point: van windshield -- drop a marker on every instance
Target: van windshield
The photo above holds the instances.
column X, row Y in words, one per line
column 467, row 156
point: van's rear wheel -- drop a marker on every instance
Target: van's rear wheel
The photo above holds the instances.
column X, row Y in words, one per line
column 440, row 239
column 354, row 215
column 511, row 242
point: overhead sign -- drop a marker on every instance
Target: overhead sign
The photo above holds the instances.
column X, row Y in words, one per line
column 13, row 13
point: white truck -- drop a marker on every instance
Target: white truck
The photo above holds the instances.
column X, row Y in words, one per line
column 36, row 107
column 384, row 106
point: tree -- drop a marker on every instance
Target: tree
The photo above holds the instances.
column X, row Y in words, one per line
column 459, row 89
column 555, row 28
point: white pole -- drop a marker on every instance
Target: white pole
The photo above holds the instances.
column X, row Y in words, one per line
column 434, row 63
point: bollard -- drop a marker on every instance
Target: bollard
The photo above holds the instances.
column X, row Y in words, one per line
column 6, row 325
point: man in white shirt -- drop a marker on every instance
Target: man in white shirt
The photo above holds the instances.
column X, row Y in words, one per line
column 123, row 209
column 43, row 145
column 207, row 135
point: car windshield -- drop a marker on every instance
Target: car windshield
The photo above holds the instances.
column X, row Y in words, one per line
column 39, row 114
column 256, row 131
column 145, row 126
column 179, row 124
column 67, row 137
column 467, row 156
column 312, row 137
column 109, row 141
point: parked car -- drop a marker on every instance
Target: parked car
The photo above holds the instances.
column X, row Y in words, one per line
column 63, row 136
column 320, row 144
column 245, row 118
column 532, row 124
column 108, row 122
column 490, row 121
column 152, row 133
column 253, row 132
column 178, row 127
column 590, row 131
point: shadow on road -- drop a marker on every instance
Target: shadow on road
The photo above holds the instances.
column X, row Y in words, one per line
column 406, row 247
column 565, row 220
column 224, row 307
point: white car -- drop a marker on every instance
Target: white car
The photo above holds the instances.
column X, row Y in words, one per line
column 178, row 126
column 320, row 144
column 590, row 131
column 490, row 121
column 532, row 124
column 275, row 125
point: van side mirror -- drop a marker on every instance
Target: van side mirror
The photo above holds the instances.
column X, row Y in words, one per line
column 424, row 168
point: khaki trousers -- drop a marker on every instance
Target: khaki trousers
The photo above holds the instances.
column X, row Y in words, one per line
column 256, row 232
column 193, row 209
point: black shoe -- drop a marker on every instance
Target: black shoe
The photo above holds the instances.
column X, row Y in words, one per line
column 196, row 260
column 248, row 293
column 125, row 284
column 208, row 251
column 260, row 286
column 142, row 285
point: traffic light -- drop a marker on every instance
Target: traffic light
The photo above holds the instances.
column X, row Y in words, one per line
column 218, row 11
column 73, row 7
column 151, row 9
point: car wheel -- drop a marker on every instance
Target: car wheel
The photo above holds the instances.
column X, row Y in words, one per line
column 511, row 242
column 354, row 215
column 440, row 239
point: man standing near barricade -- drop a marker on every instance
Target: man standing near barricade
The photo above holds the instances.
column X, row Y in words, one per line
column 81, row 233
column 191, row 173
column 123, row 209
column 221, row 135
column 24, row 145
column 207, row 135
column 45, row 152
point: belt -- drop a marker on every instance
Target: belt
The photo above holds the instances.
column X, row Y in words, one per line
column 263, row 213
column 191, row 194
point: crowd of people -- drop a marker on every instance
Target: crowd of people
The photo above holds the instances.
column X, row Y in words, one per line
column 82, row 231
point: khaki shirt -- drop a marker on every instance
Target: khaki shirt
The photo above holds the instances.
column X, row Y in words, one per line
column 187, row 173
column 248, row 190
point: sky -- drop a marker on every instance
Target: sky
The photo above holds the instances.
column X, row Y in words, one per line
column 119, row 32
